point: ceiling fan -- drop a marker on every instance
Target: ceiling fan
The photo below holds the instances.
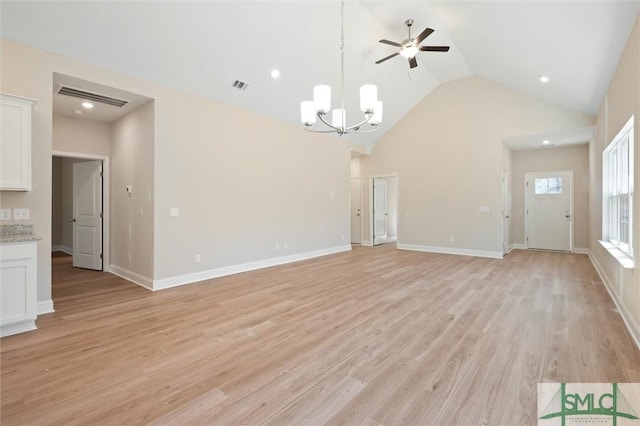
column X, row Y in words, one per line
column 409, row 47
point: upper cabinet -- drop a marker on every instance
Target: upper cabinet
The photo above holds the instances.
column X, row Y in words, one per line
column 15, row 142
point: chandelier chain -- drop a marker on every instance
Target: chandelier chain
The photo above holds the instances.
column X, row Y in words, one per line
column 342, row 58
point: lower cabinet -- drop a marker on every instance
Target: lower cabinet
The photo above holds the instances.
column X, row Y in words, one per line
column 18, row 298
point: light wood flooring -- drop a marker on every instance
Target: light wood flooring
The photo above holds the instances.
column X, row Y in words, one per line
column 373, row 336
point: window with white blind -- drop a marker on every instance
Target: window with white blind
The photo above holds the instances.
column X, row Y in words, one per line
column 618, row 191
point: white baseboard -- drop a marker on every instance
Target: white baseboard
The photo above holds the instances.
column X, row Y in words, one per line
column 45, row 307
column 132, row 276
column 20, row 327
column 365, row 243
column 451, row 250
column 629, row 321
column 64, row 249
column 521, row 246
column 244, row 267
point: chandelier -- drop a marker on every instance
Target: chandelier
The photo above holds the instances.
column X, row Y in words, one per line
column 320, row 106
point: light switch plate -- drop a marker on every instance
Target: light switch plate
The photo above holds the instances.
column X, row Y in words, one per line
column 21, row 214
column 5, row 214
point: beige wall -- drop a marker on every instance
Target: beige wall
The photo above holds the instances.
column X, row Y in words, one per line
column 56, row 201
column 621, row 102
column 77, row 135
column 574, row 158
column 243, row 183
column 132, row 215
column 449, row 156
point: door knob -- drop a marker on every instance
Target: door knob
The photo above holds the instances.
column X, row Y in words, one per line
column 507, row 217
column 72, row 220
column 568, row 216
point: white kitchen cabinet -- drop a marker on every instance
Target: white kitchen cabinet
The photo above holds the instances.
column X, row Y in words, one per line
column 15, row 142
column 18, row 298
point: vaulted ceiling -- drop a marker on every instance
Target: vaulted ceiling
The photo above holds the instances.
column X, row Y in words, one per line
column 203, row 47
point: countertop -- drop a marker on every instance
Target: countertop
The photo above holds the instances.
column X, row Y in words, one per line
column 17, row 233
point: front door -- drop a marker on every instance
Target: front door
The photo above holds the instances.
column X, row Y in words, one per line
column 87, row 215
column 379, row 211
column 549, row 210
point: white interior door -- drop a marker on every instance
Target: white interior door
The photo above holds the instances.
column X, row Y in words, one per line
column 87, row 215
column 379, row 211
column 356, row 214
column 506, row 212
column 549, row 210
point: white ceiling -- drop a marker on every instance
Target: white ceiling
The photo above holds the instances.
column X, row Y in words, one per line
column 202, row 47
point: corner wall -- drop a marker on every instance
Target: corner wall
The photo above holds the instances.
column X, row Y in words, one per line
column 621, row 102
column 132, row 215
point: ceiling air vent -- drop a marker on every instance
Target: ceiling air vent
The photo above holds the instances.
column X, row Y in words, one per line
column 240, row 85
column 96, row 97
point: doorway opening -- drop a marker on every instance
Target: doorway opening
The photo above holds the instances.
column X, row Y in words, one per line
column 80, row 209
column 383, row 209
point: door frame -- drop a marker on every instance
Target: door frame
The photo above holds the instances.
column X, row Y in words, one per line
column 359, row 178
column 106, row 195
column 526, row 205
column 506, row 212
column 371, row 230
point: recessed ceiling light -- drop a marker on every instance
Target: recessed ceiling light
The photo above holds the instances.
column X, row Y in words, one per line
column 544, row 79
column 546, row 142
column 275, row 73
column 77, row 111
column 87, row 105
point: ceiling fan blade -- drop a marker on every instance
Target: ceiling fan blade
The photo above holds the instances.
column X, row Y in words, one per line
column 392, row 43
column 426, row 33
column 434, row 48
column 388, row 57
column 412, row 62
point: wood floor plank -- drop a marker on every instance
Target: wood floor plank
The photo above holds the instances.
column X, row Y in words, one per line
column 375, row 336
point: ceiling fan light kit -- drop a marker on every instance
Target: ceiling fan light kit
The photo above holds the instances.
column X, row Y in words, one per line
column 319, row 107
column 409, row 48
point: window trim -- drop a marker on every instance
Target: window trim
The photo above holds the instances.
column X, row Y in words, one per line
column 612, row 241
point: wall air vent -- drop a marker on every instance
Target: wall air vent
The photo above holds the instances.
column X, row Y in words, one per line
column 96, row 97
column 240, row 85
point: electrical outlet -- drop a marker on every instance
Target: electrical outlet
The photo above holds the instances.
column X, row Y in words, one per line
column 286, row 244
column 198, row 259
column 5, row 214
column 21, row 214
column 174, row 211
